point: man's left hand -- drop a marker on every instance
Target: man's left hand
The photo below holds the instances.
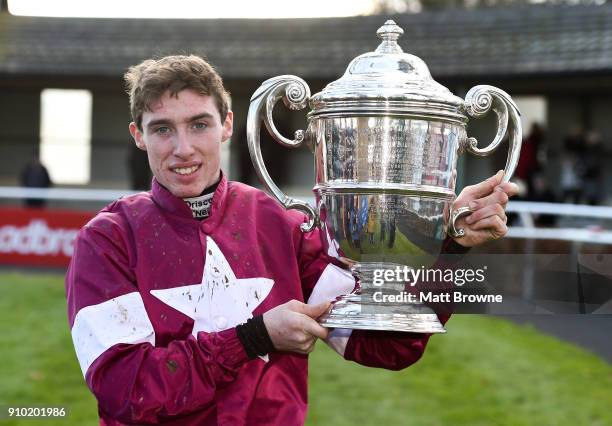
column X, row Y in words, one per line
column 487, row 200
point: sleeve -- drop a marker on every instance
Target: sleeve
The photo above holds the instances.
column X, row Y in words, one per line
column 324, row 279
column 134, row 381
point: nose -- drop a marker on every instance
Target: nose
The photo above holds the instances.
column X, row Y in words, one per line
column 183, row 146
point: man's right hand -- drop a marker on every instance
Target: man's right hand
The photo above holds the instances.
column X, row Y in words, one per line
column 293, row 327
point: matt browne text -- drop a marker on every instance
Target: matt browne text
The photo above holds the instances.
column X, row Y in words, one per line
column 431, row 297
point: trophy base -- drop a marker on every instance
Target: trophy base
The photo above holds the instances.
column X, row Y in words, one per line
column 351, row 311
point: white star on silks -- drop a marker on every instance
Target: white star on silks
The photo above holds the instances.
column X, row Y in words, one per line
column 221, row 300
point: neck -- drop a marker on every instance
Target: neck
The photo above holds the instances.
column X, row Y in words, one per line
column 201, row 204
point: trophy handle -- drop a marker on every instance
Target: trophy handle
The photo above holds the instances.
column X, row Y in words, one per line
column 478, row 102
column 295, row 94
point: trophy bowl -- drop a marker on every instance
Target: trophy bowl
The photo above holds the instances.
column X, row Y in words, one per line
column 386, row 138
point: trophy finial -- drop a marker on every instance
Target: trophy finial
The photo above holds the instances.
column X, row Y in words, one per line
column 389, row 33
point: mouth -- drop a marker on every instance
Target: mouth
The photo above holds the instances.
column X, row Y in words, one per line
column 186, row 171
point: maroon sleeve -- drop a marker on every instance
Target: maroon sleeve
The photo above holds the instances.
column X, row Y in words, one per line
column 313, row 260
column 134, row 381
column 144, row 384
column 392, row 350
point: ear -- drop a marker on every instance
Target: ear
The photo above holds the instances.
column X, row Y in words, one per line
column 228, row 126
column 137, row 135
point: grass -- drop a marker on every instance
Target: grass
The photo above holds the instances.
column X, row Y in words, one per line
column 39, row 364
column 484, row 371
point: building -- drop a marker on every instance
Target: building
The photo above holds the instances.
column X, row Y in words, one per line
column 556, row 61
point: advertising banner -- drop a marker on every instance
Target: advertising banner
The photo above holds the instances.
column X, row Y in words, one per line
column 39, row 237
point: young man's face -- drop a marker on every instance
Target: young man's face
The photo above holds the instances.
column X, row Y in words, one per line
column 182, row 137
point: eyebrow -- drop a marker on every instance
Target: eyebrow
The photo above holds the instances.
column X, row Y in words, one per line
column 169, row 121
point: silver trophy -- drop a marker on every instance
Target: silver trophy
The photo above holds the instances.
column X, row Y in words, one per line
column 386, row 138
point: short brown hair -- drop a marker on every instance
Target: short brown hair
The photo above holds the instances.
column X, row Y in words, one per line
column 149, row 80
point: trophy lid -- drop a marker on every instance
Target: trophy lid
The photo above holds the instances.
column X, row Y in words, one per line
column 387, row 81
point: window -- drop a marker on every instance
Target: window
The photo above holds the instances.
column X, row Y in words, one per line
column 65, row 134
column 533, row 110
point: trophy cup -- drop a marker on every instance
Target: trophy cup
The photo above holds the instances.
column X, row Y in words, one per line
column 386, row 138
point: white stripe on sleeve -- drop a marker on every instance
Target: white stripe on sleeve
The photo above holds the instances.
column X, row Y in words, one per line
column 338, row 339
column 99, row 327
column 333, row 282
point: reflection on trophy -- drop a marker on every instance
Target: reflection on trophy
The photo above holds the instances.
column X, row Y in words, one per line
column 386, row 138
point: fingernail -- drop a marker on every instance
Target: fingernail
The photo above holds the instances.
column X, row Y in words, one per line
column 499, row 189
column 472, row 205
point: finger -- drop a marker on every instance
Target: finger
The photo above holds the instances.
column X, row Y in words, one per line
column 484, row 188
column 313, row 328
column 313, row 311
column 297, row 306
column 310, row 347
column 510, row 188
column 496, row 197
column 305, row 350
column 490, row 210
column 493, row 224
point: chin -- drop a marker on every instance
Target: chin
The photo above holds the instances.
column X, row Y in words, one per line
column 184, row 191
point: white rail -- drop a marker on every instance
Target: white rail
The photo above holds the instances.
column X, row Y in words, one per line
column 561, row 234
column 63, row 193
column 581, row 210
column 525, row 209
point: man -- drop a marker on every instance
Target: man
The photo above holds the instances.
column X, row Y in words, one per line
column 186, row 303
column 35, row 175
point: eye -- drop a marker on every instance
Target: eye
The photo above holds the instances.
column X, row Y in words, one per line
column 162, row 130
column 199, row 125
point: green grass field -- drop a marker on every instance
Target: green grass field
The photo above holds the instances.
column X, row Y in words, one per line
column 485, row 371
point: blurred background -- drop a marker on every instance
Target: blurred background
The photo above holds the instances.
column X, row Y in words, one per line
column 65, row 152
